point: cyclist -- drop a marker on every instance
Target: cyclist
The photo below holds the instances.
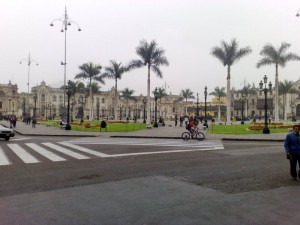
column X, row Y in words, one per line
column 192, row 126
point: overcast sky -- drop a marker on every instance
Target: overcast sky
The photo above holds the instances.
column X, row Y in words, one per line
column 112, row 29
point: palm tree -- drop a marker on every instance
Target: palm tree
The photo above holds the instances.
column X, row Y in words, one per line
column 279, row 57
column 285, row 87
column 228, row 54
column 219, row 93
column 161, row 92
column 91, row 72
column 152, row 57
column 187, row 93
column 127, row 95
column 115, row 71
column 76, row 87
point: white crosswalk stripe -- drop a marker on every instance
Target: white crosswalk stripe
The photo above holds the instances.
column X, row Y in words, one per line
column 86, row 150
column 44, row 152
column 49, row 150
column 22, row 154
column 3, row 158
column 65, row 151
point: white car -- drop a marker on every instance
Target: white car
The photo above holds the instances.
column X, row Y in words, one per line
column 6, row 133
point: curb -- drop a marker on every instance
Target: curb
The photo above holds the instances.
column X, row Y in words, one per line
column 251, row 139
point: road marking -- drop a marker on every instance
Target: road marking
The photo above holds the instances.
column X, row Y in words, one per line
column 19, row 139
column 86, row 150
column 44, row 152
column 163, row 152
column 3, row 158
column 22, row 153
column 66, row 151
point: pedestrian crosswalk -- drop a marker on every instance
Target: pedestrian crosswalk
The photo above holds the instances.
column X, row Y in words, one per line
column 34, row 153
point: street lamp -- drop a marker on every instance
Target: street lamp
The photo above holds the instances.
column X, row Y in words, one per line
column 263, row 88
column 293, row 114
column 65, row 21
column 50, row 107
column 29, row 60
column 98, row 108
column 197, row 105
column 242, row 100
column 24, row 102
column 144, row 102
column 121, row 107
column 34, row 110
column 205, row 97
column 82, row 110
column 155, row 98
column 69, row 92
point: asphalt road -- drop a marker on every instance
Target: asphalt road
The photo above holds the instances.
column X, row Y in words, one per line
column 225, row 167
column 239, row 167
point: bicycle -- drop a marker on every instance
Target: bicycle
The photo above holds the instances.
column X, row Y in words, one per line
column 186, row 135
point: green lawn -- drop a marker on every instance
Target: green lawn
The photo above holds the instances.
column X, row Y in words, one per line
column 241, row 129
column 111, row 127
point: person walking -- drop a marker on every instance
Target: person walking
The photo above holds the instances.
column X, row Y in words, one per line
column 292, row 149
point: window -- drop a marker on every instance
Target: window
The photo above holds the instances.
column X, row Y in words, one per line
column 103, row 100
column 54, row 98
column 60, row 98
column 0, row 105
column 252, row 101
column 43, row 97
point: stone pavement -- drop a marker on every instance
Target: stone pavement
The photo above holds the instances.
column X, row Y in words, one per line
column 169, row 131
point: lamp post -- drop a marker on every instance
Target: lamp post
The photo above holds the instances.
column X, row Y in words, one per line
column 205, row 97
column 24, row 102
column 98, row 108
column 263, row 87
column 72, row 109
column 242, row 100
column 293, row 114
column 197, row 106
column 121, row 107
column 34, row 110
column 144, row 102
column 46, row 111
column 155, row 115
column 65, row 21
column 29, row 60
column 69, row 92
column 50, row 107
column 82, row 110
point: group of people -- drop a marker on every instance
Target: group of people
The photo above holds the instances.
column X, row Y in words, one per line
column 12, row 121
column 30, row 120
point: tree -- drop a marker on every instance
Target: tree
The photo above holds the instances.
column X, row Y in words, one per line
column 278, row 57
column 219, row 93
column 152, row 57
column 228, row 54
column 161, row 92
column 91, row 72
column 115, row 71
column 187, row 93
column 127, row 95
column 284, row 88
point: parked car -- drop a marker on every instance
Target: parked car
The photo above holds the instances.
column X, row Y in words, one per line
column 6, row 133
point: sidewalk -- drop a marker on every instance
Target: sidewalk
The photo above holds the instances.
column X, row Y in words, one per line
column 167, row 132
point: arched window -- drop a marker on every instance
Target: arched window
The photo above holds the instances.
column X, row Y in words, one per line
column 43, row 97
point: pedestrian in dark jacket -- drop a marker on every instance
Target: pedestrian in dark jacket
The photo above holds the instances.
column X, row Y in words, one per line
column 292, row 149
